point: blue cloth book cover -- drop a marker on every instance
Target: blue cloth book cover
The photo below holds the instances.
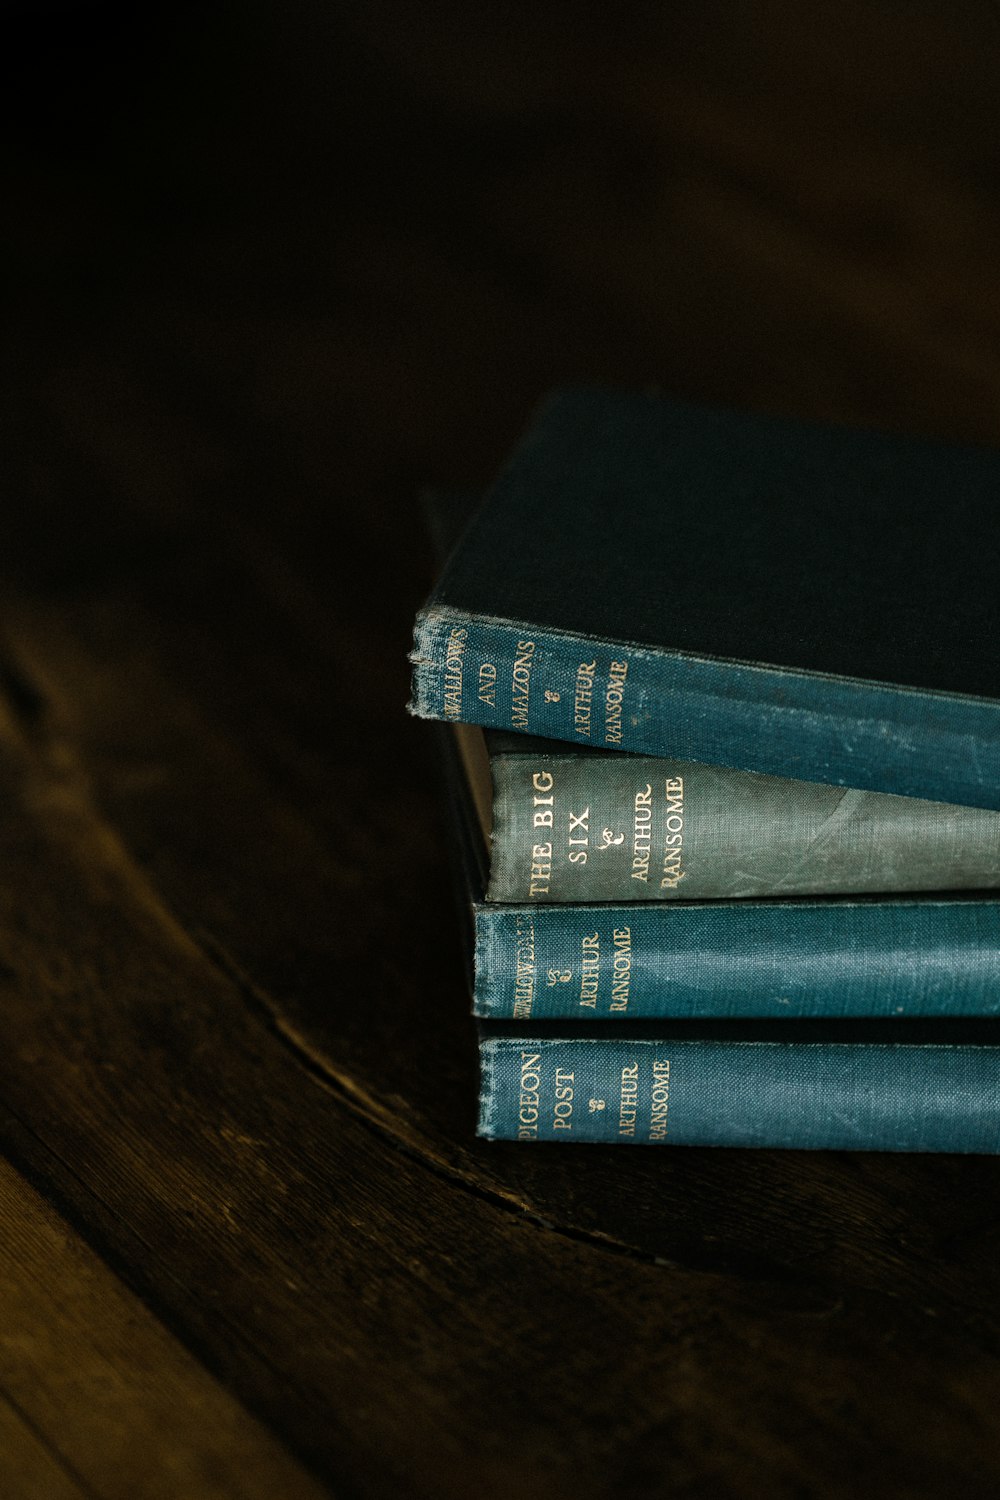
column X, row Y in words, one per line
column 712, row 585
column 809, row 1087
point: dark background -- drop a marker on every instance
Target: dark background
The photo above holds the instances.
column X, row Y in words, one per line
column 270, row 269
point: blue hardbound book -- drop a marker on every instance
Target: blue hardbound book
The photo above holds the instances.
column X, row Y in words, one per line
column 890, row 957
column 895, row 1087
column 716, row 586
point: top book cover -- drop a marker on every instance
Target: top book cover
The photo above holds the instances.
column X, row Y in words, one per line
column 708, row 584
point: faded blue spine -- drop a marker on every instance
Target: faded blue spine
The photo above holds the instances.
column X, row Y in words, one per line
column 802, row 1095
column 740, row 959
column 942, row 747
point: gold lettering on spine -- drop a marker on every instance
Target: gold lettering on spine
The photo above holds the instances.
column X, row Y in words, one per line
column 579, row 836
column 488, row 684
column 562, row 1110
column 541, row 869
column 628, row 1103
column 621, row 968
column 543, row 782
column 659, row 1100
column 521, row 684
column 524, row 968
column 673, row 838
column 642, row 834
column 614, row 701
column 527, row 1113
column 590, row 967
column 453, row 662
column 583, row 695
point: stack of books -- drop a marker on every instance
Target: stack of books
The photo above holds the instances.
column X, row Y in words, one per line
column 723, row 697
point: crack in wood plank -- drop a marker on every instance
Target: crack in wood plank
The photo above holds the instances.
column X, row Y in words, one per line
column 60, row 791
column 372, row 1113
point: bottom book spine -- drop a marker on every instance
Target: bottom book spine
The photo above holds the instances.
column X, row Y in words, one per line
column 892, row 1096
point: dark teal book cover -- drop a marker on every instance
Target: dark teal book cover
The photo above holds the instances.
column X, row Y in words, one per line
column 807, row 1087
column 712, row 585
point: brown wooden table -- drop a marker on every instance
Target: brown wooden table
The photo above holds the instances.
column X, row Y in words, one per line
column 270, row 271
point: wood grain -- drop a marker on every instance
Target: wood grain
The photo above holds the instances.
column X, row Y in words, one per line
column 97, row 1398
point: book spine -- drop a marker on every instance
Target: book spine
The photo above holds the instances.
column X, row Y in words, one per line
column 803, row 1095
column 632, row 828
column 830, row 959
column 803, row 726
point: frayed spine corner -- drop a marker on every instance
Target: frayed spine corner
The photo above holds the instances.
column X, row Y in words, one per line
column 425, row 658
column 487, row 1086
